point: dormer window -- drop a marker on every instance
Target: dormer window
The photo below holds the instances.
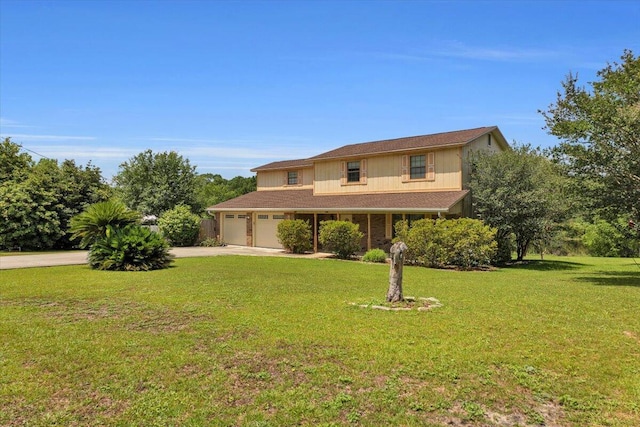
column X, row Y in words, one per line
column 292, row 178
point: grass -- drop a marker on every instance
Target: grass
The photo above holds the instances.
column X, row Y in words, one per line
column 264, row 341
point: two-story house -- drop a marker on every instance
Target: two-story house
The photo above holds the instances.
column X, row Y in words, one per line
column 373, row 184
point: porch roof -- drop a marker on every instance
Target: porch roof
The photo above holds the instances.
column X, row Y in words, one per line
column 306, row 201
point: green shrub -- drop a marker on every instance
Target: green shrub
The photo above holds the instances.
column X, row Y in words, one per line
column 180, row 226
column 375, row 255
column 212, row 242
column 340, row 237
column 465, row 243
column 470, row 242
column 132, row 248
column 93, row 222
column 606, row 239
column 295, row 235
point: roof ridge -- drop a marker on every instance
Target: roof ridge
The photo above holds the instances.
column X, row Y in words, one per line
column 418, row 136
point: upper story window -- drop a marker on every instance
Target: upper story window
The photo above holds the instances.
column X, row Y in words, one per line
column 418, row 166
column 489, row 139
column 292, row 178
column 353, row 171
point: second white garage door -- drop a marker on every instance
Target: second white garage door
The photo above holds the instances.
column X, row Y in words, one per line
column 267, row 229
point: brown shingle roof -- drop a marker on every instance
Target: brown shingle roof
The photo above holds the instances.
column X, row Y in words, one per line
column 435, row 140
column 444, row 139
column 305, row 201
column 285, row 164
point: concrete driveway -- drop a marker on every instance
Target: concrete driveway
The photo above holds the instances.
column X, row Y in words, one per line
column 80, row 257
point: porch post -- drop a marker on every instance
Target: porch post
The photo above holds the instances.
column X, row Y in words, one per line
column 368, row 232
column 315, row 232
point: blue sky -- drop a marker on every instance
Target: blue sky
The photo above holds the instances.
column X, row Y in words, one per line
column 232, row 85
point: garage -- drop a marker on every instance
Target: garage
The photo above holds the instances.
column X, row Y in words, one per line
column 234, row 228
column 267, row 229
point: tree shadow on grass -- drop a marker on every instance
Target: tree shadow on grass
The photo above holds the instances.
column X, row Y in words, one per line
column 544, row 265
column 613, row 278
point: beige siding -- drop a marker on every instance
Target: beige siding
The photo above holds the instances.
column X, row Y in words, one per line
column 277, row 180
column 384, row 174
column 480, row 144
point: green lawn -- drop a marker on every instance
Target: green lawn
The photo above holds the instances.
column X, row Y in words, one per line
column 264, row 341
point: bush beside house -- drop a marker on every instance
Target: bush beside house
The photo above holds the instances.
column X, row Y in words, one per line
column 179, row 226
column 295, row 235
column 464, row 243
column 340, row 237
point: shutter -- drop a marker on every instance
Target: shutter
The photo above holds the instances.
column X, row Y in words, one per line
column 300, row 181
column 431, row 169
column 343, row 173
column 404, row 167
column 363, row 171
column 285, row 178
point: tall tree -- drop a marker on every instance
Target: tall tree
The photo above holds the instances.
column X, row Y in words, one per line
column 152, row 183
column 13, row 163
column 600, row 132
column 520, row 193
column 213, row 189
column 37, row 200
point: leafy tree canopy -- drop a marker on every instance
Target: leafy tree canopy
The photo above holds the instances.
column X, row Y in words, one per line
column 38, row 200
column 599, row 127
column 152, row 183
column 213, row 189
column 519, row 192
column 13, row 163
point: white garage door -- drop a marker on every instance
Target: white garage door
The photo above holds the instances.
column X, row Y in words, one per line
column 267, row 229
column 235, row 228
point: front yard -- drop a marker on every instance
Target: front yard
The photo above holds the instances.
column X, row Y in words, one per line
column 264, row 341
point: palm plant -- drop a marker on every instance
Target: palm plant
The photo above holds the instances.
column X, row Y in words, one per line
column 93, row 222
column 131, row 248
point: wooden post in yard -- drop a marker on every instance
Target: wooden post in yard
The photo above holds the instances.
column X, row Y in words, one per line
column 395, row 272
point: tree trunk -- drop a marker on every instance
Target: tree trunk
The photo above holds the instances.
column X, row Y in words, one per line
column 395, row 272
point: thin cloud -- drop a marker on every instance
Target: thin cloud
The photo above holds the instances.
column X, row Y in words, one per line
column 79, row 151
column 203, row 140
column 196, row 148
column 34, row 137
column 7, row 123
column 454, row 49
column 461, row 50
